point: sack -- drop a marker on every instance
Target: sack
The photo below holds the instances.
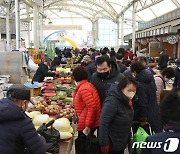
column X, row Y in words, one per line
column 87, row 145
column 52, row 137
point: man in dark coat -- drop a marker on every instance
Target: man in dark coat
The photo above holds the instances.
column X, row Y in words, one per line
column 177, row 74
column 42, row 72
column 146, row 108
column 119, row 61
column 169, row 139
column 56, row 62
column 107, row 73
column 17, row 132
column 163, row 60
column 90, row 66
column 121, row 51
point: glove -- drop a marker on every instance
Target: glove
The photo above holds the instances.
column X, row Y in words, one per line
column 105, row 149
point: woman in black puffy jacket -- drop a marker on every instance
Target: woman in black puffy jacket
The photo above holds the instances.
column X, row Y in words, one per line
column 116, row 117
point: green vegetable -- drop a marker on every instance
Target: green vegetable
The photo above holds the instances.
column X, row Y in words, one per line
column 61, row 94
column 68, row 100
column 54, row 98
column 69, row 91
column 61, row 88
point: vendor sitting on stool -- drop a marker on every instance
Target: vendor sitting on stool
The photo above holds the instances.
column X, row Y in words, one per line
column 42, row 72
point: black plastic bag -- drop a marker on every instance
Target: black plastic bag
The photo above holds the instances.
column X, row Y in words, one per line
column 87, row 145
column 52, row 137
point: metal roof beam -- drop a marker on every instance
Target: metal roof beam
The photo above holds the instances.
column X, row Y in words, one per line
column 90, row 18
column 176, row 3
column 126, row 8
column 31, row 4
column 111, row 13
column 80, row 14
column 145, row 6
column 107, row 3
column 79, row 7
column 142, row 1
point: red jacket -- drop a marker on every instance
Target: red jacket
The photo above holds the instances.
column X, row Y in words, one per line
column 87, row 105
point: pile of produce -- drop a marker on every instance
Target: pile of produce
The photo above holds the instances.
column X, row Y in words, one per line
column 61, row 124
column 64, row 128
column 38, row 119
column 59, row 105
column 67, row 111
column 39, row 104
column 52, row 109
column 56, row 103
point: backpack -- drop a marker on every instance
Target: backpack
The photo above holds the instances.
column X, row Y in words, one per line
column 162, row 80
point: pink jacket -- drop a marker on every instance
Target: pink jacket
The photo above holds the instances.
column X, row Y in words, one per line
column 159, row 85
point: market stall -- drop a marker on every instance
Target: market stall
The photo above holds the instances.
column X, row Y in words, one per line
column 55, row 101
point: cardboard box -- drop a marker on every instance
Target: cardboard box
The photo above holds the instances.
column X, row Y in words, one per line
column 35, row 91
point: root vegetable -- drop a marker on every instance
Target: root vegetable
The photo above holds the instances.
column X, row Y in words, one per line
column 64, row 113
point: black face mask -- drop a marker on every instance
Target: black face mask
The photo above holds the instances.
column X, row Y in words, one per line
column 103, row 75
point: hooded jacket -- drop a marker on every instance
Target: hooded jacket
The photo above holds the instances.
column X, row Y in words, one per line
column 121, row 66
column 173, row 131
column 56, row 62
column 41, row 73
column 17, row 131
column 163, row 60
column 87, row 105
column 90, row 68
column 146, row 107
column 115, row 121
column 102, row 86
column 177, row 78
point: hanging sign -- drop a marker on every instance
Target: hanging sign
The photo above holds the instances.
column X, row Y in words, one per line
column 172, row 39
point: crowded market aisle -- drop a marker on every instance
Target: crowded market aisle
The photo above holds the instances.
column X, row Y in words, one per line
column 73, row 107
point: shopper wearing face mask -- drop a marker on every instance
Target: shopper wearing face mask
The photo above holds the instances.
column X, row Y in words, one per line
column 146, row 108
column 86, row 103
column 107, row 72
column 116, row 117
column 17, row 132
column 177, row 74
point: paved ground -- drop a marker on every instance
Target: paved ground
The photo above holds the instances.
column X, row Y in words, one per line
column 75, row 136
column 73, row 148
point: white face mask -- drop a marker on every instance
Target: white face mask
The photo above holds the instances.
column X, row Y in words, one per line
column 129, row 95
column 179, row 68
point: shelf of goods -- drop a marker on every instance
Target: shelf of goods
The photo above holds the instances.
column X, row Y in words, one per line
column 36, row 56
column 55, row 102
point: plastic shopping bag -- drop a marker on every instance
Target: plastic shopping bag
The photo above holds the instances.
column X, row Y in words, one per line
column 87, row 145
column 52, row 137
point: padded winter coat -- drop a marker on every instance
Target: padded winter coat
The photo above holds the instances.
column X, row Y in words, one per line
column 87, row 105
column 102, row 86
column 163, row 60
column 146, row 107
column 168, row 138
column 116, row 120
column 41, row 73
column 177, row 78
column 90, row 68
column 17, row 131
